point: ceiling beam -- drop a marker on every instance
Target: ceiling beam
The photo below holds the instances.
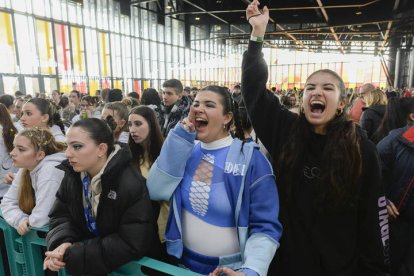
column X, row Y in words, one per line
column 325, row 15
column 280, row 9
column 389, row 26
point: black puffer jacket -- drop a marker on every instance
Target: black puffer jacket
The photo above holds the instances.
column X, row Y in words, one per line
column 124, row 219
column 371, row 118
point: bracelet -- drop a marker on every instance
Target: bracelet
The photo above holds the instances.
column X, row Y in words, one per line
column 256, row 38
column 248, row 19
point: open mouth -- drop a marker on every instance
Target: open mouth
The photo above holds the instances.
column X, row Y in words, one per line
column 317, row 107
column 200, row 123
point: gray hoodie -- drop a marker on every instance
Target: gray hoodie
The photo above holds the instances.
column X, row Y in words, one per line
column 46, row 181
column 6, row 165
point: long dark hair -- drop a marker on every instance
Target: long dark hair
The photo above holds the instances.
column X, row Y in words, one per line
column 98, row 131
column 49, row 108
column 9, row 130
column 150, row 96
column 396, row 116
column 341, row 156
column 152, row 146
column 228, row 106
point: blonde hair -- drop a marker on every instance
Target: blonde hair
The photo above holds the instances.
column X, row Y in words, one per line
column 375, row 97
column 42, row 140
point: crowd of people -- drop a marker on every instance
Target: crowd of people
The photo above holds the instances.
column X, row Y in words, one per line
column 318, row 181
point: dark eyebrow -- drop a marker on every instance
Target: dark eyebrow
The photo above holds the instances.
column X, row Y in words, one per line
column 75, row 142
column 206, row 102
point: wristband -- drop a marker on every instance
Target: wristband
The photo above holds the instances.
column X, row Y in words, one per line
column 256, row 38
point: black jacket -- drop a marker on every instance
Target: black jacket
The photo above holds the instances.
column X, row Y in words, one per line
column 337, row 242
column 397, row 158
column 172, row 115
column 124, row 219
column 371, row 118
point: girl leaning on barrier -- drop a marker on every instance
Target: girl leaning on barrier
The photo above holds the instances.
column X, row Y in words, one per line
column 32, row 193
column 102, row 217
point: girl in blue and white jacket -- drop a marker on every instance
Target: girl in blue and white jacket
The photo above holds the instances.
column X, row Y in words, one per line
column 223, row 197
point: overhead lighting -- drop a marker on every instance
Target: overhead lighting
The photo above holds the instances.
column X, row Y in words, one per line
column 358, row 13
column 168, row 7
column 197, row 18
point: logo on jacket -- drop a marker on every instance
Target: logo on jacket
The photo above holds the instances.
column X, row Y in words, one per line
column 112, row 195
column 235, row 169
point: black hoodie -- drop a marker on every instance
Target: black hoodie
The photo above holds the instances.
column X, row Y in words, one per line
column 371, row 118
column 337, row 242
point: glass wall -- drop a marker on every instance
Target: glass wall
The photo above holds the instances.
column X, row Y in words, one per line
column 59, row 44
column 49, row 44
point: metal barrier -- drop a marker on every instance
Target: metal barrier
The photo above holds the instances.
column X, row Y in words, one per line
column 24, row 254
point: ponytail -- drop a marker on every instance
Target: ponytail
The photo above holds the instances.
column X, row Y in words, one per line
column 26, row 193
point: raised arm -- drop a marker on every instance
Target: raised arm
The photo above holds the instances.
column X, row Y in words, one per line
column 270, row 121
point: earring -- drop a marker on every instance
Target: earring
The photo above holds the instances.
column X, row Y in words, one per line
column 339, row 112
column 224, row 126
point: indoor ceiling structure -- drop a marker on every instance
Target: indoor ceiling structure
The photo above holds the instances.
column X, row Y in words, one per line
column 360, row 26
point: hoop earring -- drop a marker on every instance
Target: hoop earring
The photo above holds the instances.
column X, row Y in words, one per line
column 339, row 112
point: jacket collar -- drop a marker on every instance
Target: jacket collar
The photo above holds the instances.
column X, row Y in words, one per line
column 118, row 162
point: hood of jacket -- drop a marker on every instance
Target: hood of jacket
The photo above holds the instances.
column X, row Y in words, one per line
column 407, row 136
column 378, row 109
column 51, row 160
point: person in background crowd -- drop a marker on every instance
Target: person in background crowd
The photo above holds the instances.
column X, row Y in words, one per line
column 355, row 110
column 130, row 102
column 397, row 155
column 373, row 112
column 145, row 142
column 41, row 113
column 56, row 96
column 116, row 115
column 175, row 105
column 407, row 93
column 134, row 95
column 330, row 215
column 237, row 96
column 187, row 91
column 151, row 99
column 391, row 93
column 17, row 111
column 32, row 193
column 8, row 101
column 73, row 108
column 223, row 192
column 88, row 109
column 193, row 93
column 290, row 102
column 18, row 94
column 114, row 95
column 102, row 216
column 394, row 117
column 8, row 131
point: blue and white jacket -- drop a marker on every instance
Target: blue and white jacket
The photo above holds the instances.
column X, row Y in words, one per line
column 251, row 188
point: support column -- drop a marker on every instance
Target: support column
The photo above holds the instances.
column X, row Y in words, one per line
column 397, row 69
column 410, row 83
column 391, row 60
